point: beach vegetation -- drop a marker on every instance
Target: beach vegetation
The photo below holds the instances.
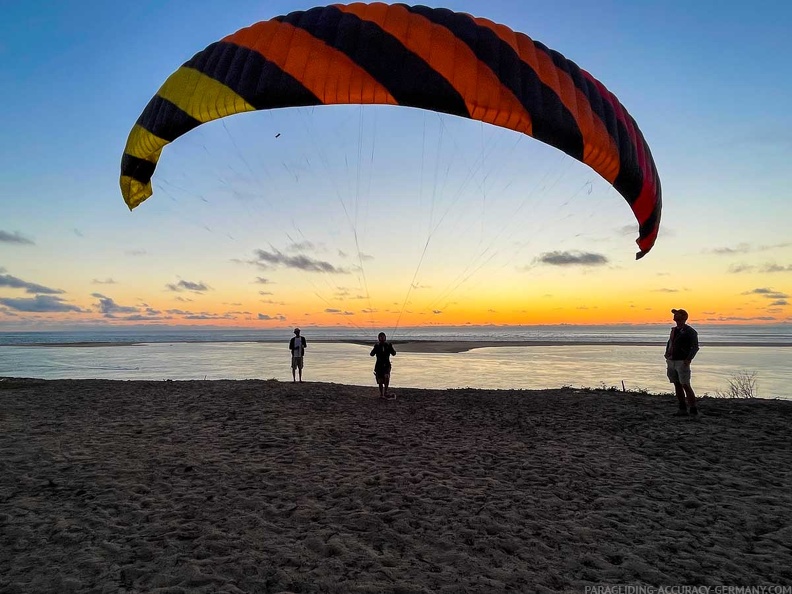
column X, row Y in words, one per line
column 741, row 385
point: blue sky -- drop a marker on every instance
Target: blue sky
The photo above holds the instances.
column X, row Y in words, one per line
column 706, row 82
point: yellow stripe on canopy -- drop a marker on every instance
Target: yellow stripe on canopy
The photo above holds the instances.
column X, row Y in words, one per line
column 201, row 96
column 144, row 145
column 133, row 191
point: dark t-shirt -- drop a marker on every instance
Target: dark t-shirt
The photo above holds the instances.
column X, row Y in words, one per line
column 383, row 351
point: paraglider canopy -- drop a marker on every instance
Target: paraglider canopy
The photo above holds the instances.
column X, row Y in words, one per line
column 415, row 56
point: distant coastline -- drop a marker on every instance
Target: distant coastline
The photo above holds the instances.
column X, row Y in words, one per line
column 416, row 346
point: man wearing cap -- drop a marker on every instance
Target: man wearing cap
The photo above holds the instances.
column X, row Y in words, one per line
column 297, row 347
column 682, row 346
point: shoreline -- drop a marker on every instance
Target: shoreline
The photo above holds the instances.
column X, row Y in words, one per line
column 260, row 485
column 419, row 346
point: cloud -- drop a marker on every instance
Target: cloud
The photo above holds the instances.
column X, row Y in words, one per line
column 135, row 252
column 6, row 280
column 572, row 259
column 15, row 237
column 109, row 307
column 300, row 262
column 338, row 312
column 278, row 317
column 260, row 280
column 301, row 246
column 143, row 318
column 767, row 293
column 747, row 248
column 107, row 281
column 776, row 268
column 272, row 302
column 437, row 311
column 40, row 304
column 184, row 285
column 208, row 316
column 742, row 319
column 741, row 248
column 665, row 290
column 738, row 268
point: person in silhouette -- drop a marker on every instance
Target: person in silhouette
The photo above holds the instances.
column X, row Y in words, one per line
column 681, row 347
column 382, row 367
column 297, row 347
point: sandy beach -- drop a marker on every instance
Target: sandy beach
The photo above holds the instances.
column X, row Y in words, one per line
column 266, row 486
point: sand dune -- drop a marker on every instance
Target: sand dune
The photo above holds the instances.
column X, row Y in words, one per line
column 263, row 486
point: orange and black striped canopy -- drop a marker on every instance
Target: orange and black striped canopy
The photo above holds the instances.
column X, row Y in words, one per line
column 430, row 58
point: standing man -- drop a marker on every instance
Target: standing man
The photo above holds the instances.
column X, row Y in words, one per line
column 297, row 347
column 382, row 368
column 682, row 346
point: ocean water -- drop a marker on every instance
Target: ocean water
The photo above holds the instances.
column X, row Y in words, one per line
column 584, row 356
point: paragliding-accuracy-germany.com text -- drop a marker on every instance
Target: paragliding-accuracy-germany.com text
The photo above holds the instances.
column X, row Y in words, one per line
column 637, row 589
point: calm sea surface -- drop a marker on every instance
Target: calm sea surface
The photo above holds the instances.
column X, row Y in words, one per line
column 159, row 354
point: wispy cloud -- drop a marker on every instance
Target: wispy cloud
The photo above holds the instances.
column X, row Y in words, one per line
column 767, row 293
column 301, row 246
column 747, row 248
column 109, row 308
column 338, row 312
column 776, row 268
column 277, row 258
column 277, row 317
column 767, row 268
column 184, row 285
column 272, row 302
column 107, row 281
column 40, row 304
column 143, row 318
column 740, row 268
column 574, row 258
column 209, row 316
column 6, row 280
column 742, row 319
column 15, row 237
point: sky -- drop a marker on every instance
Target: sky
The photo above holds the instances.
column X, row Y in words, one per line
column 375, row 217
